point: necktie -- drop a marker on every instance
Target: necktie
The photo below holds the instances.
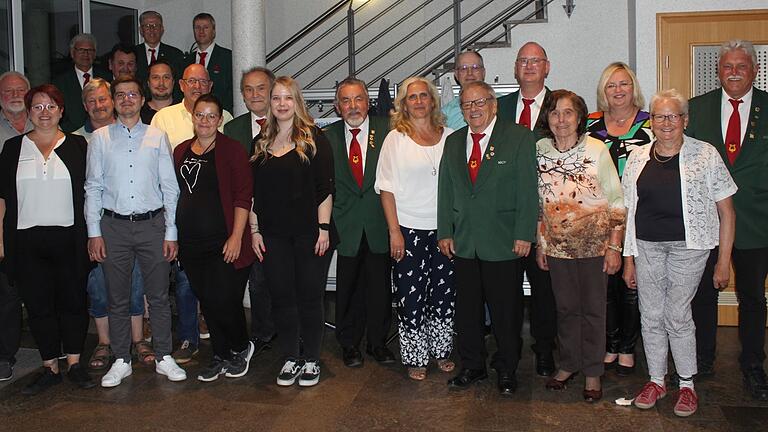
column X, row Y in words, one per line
column 733, row 134
column 152, row 59
column 203, row 55
column 356, row 158
column 525, row 116
column 261, row 122
column 475, row 158
column 86, row 78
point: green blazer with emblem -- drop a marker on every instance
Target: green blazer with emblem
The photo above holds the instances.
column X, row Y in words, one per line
column 749, row 170
column 355, row 210
column 486, row 218
column 220, row 72
column 507, row 110
column 240, row 130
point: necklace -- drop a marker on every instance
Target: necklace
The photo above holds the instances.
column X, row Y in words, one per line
column 207, row 148
column 431, row 160
column 658, row 157
column 621, row 122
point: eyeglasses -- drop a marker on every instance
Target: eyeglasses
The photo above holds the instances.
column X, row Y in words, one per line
column 477, row 102
column 673, row 118
column 210, row 116
column 85, row 50
column 622, row 85
column 195, row 81
column 127, row 95
column 533, row 61
column 469, row 67
column 51, row 107
column 151, row 26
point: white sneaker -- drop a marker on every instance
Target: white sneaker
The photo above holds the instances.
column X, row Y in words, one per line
column 119, row 370
column 168, row 367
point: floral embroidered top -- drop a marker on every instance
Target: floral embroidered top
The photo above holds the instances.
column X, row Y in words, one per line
column 620, row 147
column 704, row 180
column 580, row 199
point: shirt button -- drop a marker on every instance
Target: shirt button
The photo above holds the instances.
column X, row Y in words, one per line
column 131, row 196
column 131, row 166
column 131, row 181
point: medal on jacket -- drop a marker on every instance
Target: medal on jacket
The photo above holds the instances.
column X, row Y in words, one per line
column 355, row 159
column 731, row 148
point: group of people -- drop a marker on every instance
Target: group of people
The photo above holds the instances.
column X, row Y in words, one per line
column 625, row 221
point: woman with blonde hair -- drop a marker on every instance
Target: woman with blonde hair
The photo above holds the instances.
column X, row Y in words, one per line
column 292, row 201
column 406, row 178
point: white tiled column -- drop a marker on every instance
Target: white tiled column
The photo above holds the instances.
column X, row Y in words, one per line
column 249, row 42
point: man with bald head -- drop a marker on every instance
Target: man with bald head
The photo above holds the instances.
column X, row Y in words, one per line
column 469, row 68
column 523, row 107
column 13, row 117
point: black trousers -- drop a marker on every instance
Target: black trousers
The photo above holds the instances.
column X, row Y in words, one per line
column 479, row 282
column 262, row 325
column 363, row 297
column 294, row 276
column 751, row 268
column 10, row 320
column 704, row 310
column 622, row 316
column 543, row 313
column 52, row 290
column 219, row 287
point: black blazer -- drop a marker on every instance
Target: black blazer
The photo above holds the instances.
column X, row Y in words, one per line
column 73, row 153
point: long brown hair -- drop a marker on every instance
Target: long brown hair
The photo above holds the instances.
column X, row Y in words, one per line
column 301, row 130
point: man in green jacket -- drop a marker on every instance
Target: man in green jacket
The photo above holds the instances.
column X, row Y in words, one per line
column 733, row 119
column 216, row 59
column 487, row 206
column 363, row 288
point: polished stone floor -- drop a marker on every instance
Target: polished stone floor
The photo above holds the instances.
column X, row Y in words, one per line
column 372, row 398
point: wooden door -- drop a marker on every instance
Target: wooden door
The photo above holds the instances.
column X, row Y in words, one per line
column 678, row 35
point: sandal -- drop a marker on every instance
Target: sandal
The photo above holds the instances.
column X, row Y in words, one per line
column 417, row 373
column 144, row 353
column 101, row 357
column 446, row 365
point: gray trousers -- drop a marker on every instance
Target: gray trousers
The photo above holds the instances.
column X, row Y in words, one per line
column 668, row 276
column 142, row 241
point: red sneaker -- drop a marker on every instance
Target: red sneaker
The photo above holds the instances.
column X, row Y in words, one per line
column 687, row 402
column 648, row 396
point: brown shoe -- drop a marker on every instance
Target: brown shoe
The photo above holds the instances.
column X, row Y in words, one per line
column 556, row 384
column 592, row 396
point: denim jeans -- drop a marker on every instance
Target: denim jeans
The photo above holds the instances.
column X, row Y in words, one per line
column 97, row 292
column 186, row 306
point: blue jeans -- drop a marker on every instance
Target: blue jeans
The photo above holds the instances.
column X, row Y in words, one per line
column 186, row 305
column 97, row 292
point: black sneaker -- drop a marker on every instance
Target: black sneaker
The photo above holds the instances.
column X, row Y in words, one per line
column 185, row 352
column 756, row 384
column 43, row 381
column 290, row 371
column 259, row 346
column 310, row 373
column 217, row 367
column 240, row 362
column 78, row 375
column 6, row 371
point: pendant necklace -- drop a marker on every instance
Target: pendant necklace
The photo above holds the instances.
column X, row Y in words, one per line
column 431, row 159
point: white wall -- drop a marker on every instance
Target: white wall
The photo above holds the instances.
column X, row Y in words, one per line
column 177, row 19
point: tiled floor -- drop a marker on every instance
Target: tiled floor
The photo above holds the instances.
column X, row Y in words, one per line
column 373, row 398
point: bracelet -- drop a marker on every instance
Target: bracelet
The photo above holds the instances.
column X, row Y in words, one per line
column 324, row 226
column 616, row 248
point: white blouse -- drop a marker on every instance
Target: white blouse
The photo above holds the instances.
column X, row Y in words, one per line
column 43, row 187
column 410, row 171
column 704, row 180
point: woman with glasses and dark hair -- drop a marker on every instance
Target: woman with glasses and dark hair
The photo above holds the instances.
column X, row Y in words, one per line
column 623, row 126
column 679, row 207
column 44, row 241
column 579, row 238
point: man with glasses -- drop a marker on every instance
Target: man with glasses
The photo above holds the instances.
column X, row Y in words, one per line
column 13, row 115
column 469, row 68
column 176, row 121
column 216, row 59
column 153, row 49
column 130, row 211
column 487, row 207
column 523, row 107
column 82, row 50
column 732, row 118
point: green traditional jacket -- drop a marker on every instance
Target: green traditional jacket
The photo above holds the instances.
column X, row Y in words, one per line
column 749, row 170
column 241, row 130
column 486, row 218
column 355, row 210
column 507, row 110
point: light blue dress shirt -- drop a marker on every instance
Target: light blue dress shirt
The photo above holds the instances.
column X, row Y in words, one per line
column 454, row 118
column 130, row 171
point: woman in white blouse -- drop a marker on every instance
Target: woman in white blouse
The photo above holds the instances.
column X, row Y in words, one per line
column 677, row 191
column 44, row 238
column 406, row 178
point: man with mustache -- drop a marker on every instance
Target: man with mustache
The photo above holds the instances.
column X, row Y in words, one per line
column 13, row 121
column 732, row 118
column 122, row 61
column 98, row 103
column 161, row 85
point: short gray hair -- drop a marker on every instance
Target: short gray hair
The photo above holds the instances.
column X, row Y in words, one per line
column 350, row 81
column 671, row 94
column 150, row 14
column 83, row 37
column 15, row 74
column 265, row 71
column 739, row 44
column 93, row 85
column 481, row 84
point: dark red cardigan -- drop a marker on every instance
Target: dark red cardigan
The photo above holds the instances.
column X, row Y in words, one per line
column 235, row 186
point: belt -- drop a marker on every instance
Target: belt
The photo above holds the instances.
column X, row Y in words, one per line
column 134, row 217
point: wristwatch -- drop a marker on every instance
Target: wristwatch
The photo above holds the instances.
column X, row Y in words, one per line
column 616, row 248
column 324, row 226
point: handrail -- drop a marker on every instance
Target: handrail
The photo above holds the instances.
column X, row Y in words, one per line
column 307, row 28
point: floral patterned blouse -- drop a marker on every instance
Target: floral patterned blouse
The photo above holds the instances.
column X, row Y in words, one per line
column 620, row 147
column 580, row 199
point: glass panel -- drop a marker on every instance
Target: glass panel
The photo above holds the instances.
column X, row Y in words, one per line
column 112, row 25
column 48, row 26
column 5, row 37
